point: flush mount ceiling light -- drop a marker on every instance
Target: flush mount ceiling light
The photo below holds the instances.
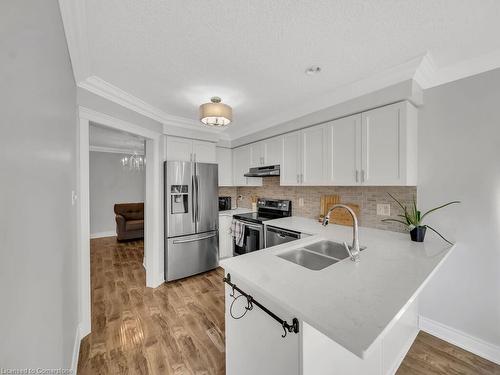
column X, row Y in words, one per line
column 215, row 113
column 312, row 70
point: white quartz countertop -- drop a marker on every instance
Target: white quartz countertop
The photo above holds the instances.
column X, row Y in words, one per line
column 235, row 211
column 351, row 303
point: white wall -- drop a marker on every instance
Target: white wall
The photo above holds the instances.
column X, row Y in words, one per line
column 110, row 184
column 459, row 150
column 38, row 259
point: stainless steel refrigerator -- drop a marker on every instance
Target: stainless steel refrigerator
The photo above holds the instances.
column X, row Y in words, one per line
column 191, row 218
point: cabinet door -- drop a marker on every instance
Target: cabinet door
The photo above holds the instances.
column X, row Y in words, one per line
column 225, row 239
column 179, row 148
column 290, row 166
column 273, row 151
column 343, row 148
column 381, row 136
column 241, row 157
column 254, row 344
column 204, row 152
column 256, row 154
column 225, row 162
column 313, row 156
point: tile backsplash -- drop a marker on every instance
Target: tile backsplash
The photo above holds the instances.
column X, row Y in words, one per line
column 367, row 197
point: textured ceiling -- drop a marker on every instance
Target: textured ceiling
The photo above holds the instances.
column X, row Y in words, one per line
column 175, row 55
column 107, row 138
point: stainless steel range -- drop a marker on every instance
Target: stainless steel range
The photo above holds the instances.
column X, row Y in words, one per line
column 267, row 209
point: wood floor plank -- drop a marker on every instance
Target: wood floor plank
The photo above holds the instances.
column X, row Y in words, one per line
column 178, row 328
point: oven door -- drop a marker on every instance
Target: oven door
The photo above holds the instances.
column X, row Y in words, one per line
column 252, row 240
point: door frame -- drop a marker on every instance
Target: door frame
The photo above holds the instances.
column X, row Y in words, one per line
column 153, row 211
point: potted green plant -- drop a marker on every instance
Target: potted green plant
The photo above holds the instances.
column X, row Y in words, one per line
column 413, row 219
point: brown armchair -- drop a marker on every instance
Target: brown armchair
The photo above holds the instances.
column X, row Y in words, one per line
column 129, row 221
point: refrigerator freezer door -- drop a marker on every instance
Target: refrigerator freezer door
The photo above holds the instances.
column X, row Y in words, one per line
column 207, row 192
column 179, row 198
column 189, row 255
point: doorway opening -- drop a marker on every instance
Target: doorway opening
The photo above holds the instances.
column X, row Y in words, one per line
column 89, row 121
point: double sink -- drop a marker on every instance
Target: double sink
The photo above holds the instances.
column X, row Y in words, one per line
column 318, row 255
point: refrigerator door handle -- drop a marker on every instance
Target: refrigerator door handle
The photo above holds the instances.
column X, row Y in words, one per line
column 194, row 239
column 197, row 181
column 193, row 203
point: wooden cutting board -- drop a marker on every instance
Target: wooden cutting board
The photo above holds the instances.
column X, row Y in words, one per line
column 341, row 216
column 327, row 201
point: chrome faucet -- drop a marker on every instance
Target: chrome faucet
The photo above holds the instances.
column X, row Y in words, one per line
column 354, row 250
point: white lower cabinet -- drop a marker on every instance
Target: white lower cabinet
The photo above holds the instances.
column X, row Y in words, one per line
column 254, row 344
column 225, row 238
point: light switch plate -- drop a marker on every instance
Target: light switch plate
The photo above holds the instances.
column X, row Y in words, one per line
column 301, row 202
column 384, row 209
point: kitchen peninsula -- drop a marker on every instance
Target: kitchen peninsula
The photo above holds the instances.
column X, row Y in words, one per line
column 354, row 318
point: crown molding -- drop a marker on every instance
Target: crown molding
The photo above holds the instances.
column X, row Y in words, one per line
column 98, row 86
column 466, row 68
column 74, row 17
column 425, row 74
column 388, row 77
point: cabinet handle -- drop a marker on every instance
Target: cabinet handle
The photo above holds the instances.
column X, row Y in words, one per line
column 362, row 175
column 297, row 178
column 301, row 178
column 357, row 175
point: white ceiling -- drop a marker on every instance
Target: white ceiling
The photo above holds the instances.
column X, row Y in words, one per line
column 110, row 140
column 175, row 55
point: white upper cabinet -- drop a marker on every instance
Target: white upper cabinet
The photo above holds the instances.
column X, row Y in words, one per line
column 267, row 152
column 376, row 148
column 291, row 165
column 313, row 151
column 179, row 149
column 389, row 145
column 304, row 157
column 343, row 150
column 225, row 162
column 204, row 152
column 185, row 149
column 257, row 154
column 273, row 151
column 241, row 165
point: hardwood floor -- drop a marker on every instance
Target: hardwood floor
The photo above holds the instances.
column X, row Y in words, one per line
column 430, row 355
column 178, row 328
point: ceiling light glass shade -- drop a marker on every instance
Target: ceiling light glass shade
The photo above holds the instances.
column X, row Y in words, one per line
column 216, row 113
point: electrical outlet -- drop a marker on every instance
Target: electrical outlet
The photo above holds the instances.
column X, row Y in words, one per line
column 384, row 209
column 301, row 202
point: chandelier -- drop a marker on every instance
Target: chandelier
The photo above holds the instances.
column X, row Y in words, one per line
column 215, row 113
column 134, row 162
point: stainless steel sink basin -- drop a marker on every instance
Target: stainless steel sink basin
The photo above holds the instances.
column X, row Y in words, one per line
column 330, row 248
column 308, row 259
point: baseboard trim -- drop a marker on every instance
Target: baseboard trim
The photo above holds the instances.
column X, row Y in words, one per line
column 76, row 349
column 103, row 234
column 461, row 339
